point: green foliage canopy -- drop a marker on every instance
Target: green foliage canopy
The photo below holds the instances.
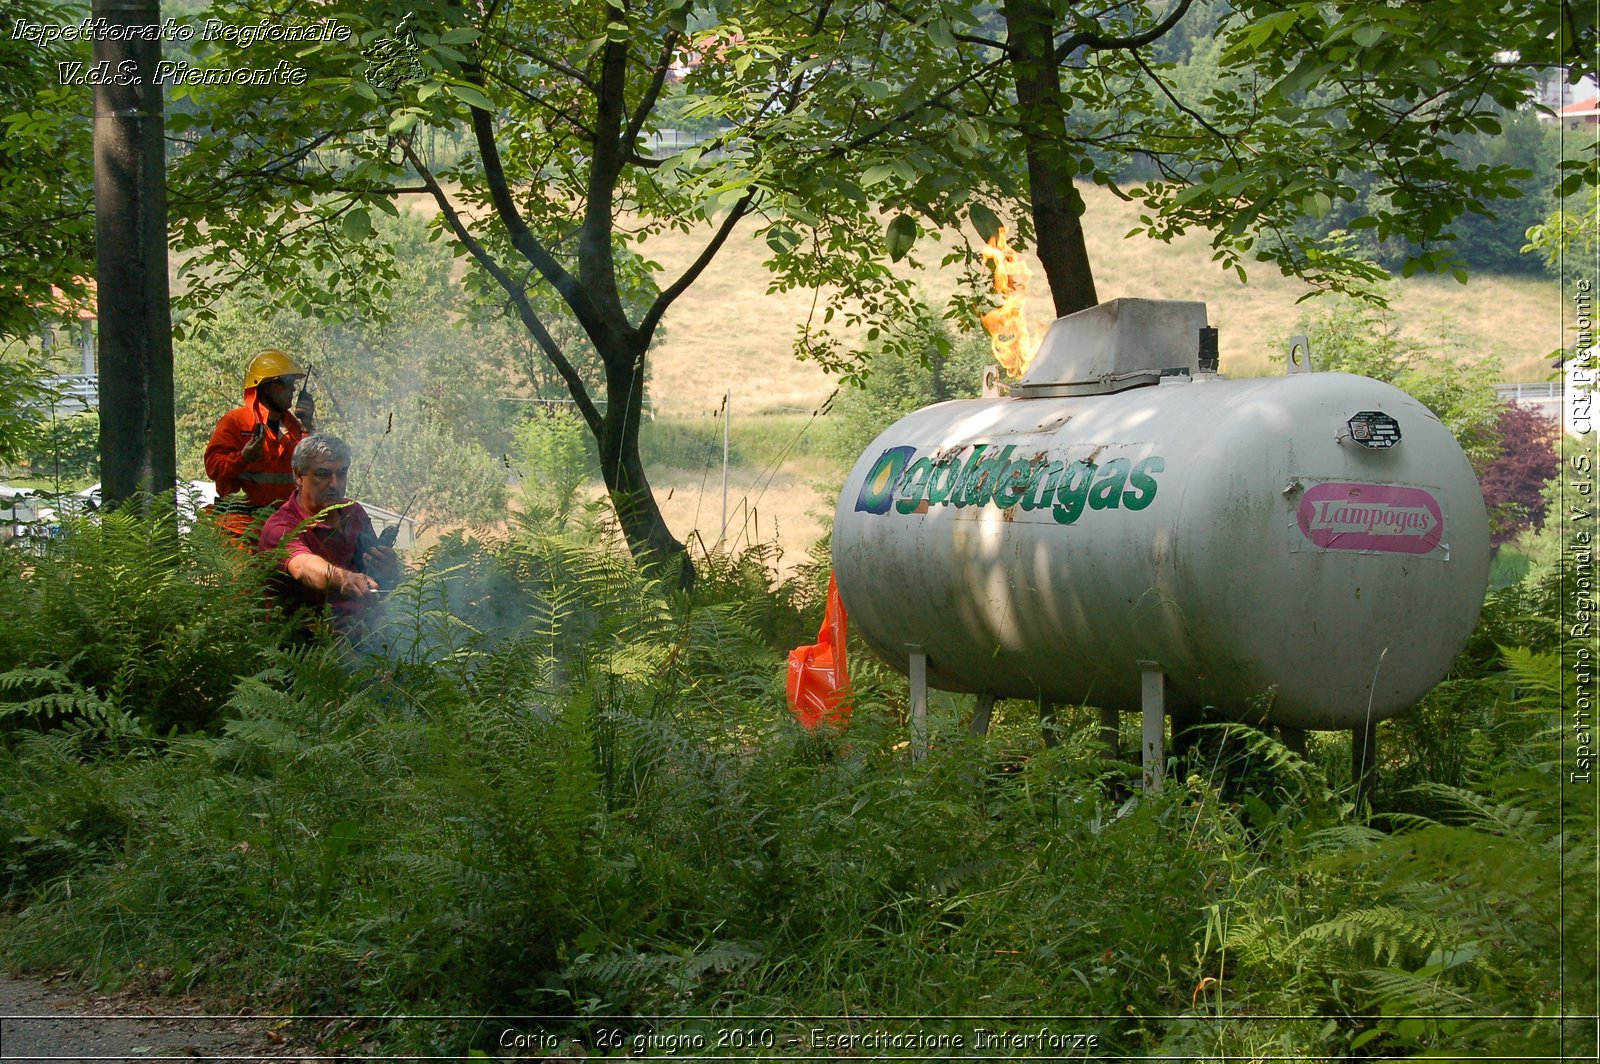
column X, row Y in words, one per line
column 46, row 170
column 844, row 138
column 1322, row 105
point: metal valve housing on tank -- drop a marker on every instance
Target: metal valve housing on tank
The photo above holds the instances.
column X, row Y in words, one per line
column 1308, row 550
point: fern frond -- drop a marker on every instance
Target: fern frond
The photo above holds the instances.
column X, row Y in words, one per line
column 721, row 958
column 31, row 677
column 1397, row 992
column 436, row 872
column 1514, row 820
column 1386, row 930
column 1343, row 839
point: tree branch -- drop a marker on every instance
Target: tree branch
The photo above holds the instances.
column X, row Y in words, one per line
column 652, row 317
column 596, row 261
column 1099, row 43
column 535, row 100
column 523, row 238
column 652, row 93
column 517, row 292
column 1184, row 109
column 551, row 62
column 884, row 125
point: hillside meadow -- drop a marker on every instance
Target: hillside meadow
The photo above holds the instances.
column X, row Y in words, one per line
column 730, row 332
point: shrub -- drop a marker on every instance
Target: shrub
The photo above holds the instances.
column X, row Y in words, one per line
column 1513, row 484
column 554, row 460
column 896, row 383
column 66, row 448
column 128, row 627
column 1351, row 337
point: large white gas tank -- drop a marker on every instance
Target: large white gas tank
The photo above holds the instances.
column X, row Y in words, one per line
column 1308, row 550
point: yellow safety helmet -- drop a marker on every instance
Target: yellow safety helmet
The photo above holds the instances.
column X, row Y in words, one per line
column 268, row 364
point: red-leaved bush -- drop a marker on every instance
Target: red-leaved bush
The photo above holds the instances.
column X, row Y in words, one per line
column 1513, row 484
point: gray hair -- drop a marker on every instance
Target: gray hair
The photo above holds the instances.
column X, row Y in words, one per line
column 316, row 446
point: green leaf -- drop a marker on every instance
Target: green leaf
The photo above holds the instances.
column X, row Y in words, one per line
column 357, row 224
column 472, row 96
column 1365, row 1036
column 1410, row 1027
column 850, row 190
column 1310, row 72
column 901, row 234
column 876, row 175
column 1260, row 30
column 986, row 221
column 1367, row 36
column 782, row 239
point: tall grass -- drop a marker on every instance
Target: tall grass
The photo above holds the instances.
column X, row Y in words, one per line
column 552, row 787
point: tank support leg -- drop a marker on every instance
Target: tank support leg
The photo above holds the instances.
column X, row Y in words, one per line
column 919, row 702
column 1153, row 698
column 1110, row 727
column 1364, row 763
column 1047, row 723
column 1293, row 738
column 981, row 713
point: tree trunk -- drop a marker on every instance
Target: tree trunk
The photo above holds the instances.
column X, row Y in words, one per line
column 657, row 550
column 1030, row 32
column 138, row 452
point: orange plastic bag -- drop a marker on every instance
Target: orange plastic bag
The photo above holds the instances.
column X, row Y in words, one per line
column 818, row 678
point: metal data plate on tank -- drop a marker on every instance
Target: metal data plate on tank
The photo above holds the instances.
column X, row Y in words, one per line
column 1374, row 429
column 1370, row 519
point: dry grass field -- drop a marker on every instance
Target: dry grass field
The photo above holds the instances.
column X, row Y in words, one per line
column 789, row 506
column 728, row 332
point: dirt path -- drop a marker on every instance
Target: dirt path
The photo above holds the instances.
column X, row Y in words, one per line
column 41, row 1021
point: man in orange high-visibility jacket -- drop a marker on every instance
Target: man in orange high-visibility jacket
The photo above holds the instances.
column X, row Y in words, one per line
column 250, row 449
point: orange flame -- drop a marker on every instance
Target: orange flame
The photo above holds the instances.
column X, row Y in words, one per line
column 1010, row 336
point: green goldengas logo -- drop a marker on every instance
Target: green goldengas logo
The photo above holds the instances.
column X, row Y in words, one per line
column 988, row 478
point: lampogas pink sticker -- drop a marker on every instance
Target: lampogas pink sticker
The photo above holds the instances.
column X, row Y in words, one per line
column 1381, row 518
